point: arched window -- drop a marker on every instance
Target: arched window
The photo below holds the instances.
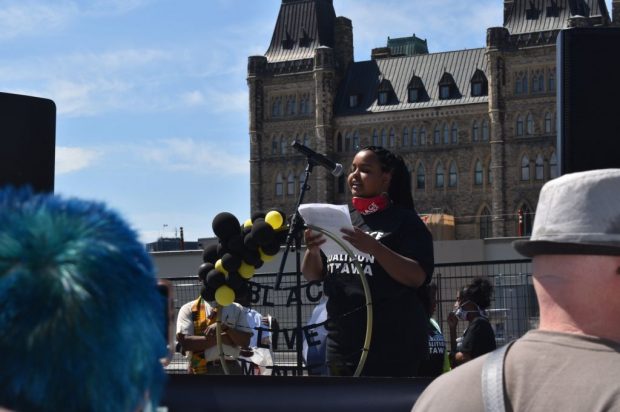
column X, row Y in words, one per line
column 290, row 184
column 485, row 130
column 302, row 176
column 279, row 185
column 375, row 138
column 478, row 173
column 540, row 168
column 486, row 223
column 475, row 131
column 454, row 177
column 276, row 107
column 454, row 133
column 291, row 105
column 383, row 138
column 339, row 142
column 525, row 219
column 553, row 166
column 519, row 126
column 283, row 144
column 439, row 181
column 356, row 141
column 405, row 136
column 436, row 135
column 525, row 168
column 341, row 183
column 347, row 142
column 274, row 145
column 548, row 123
column 551, row 80
column 530, row 124
column 420, row 177
column 446, row 134
column 392, row 137
column 423, row 136
column 414, row 136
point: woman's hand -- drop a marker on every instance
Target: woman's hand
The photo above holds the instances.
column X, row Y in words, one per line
column 313, row 240
column 361, row 240
column 452, row 320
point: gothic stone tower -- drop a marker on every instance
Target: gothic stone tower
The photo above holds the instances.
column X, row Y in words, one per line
column 292, row 90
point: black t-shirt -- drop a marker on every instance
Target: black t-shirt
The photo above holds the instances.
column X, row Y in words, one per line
column 399, row 334
column 478, row 338
column 433, row 366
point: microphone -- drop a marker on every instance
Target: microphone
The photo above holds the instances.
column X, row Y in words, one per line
column 319, row 159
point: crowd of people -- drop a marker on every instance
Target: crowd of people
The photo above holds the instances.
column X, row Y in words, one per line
column 80, row 307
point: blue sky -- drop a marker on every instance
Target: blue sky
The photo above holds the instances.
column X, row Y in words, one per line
column 152, row 97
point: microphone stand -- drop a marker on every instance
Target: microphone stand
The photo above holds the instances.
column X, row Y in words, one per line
column 294, row 235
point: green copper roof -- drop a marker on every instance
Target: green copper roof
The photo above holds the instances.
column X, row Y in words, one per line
column 407, row 46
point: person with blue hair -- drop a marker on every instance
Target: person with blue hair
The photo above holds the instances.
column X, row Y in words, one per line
column 81, row 318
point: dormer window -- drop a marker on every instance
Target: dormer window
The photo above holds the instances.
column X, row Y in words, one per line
column 447, row 87
column 353, row 100
column 416, row 91
column 385, row 93
column 532, row 13
column 305, row 39
column 383, row 97
column 553, row 10
column 288, row 42
column 479, row 84
column 444, row 91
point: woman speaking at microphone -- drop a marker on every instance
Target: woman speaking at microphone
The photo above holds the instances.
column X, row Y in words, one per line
column 387, row 227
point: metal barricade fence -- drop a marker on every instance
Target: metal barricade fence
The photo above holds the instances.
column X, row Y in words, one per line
column 514, row 308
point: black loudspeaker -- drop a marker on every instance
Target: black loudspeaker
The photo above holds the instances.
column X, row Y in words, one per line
column 588, row 62
column 28, row 140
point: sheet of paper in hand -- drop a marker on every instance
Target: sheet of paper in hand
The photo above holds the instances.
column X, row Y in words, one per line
column 331, row 218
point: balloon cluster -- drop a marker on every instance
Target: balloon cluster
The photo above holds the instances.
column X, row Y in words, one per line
column 241, row 249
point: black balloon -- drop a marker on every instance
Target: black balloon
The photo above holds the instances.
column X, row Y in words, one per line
column 215, row 279
column 257, row 215
column 249, row 243
column 231, row 262
column 210, row 254
column 251, row 256
column 271, row 248
column 235, row 244
column 263, row 233
column 235, row 281
column 207, row 294
column 225, row 225
column 222, row 249
column 204, row 269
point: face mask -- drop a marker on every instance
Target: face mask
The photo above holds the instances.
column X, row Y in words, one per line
column 462, row 313
column 369, row 205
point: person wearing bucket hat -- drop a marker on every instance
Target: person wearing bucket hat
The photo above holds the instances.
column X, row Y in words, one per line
column 572, row 361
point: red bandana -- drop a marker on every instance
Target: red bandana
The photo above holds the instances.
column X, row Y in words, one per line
column 369, row 205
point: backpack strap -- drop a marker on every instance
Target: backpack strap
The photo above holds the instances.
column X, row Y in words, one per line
column 493, row 380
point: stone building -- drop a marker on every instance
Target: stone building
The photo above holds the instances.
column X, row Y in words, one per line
column 476, row 127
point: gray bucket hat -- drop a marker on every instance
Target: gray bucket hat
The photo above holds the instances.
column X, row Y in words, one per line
column 577, row 214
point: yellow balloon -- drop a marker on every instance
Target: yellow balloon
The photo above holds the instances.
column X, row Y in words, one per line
column 274, row 219
column 247, row 223
column 220, row 267
column 265, row 257
column 246, row 271
column 224, row 295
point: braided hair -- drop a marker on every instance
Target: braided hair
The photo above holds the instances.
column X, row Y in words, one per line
column 400, row 184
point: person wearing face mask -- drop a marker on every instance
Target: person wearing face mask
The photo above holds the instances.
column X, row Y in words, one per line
column 387, row 227
column 196, row 332
column 470, row 306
